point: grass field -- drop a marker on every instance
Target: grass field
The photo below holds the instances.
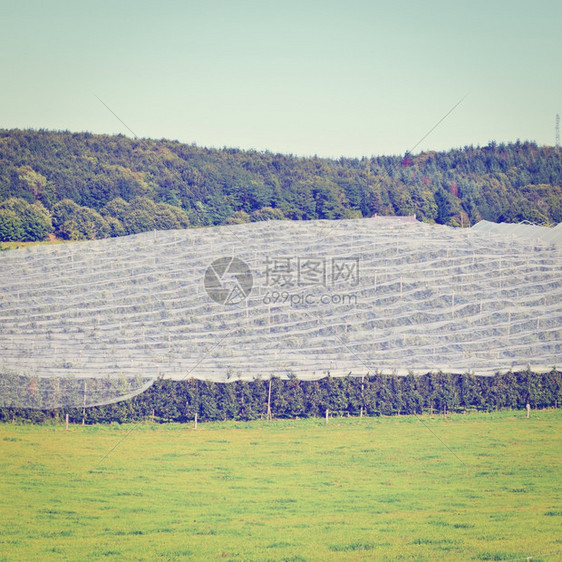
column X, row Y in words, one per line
column 357, row 489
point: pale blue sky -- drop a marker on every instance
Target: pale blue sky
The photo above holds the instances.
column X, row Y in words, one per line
column 352, row 78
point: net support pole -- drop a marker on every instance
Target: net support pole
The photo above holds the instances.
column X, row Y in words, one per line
column 269, row 416
column 362, row 394
column 84, row 405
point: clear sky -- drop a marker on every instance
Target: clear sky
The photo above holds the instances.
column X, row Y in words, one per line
column 351, row 78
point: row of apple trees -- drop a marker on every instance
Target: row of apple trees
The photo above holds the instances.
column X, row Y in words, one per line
column 373, row 395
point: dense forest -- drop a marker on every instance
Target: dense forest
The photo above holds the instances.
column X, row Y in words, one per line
column 85, row 186
column 374, row 395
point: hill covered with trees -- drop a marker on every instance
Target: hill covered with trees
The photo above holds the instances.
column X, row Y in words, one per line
column 85, row 186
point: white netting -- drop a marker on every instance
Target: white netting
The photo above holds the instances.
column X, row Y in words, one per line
column 530, row 232
column 351, row 296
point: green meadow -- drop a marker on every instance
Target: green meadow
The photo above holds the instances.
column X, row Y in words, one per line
column 468, row 487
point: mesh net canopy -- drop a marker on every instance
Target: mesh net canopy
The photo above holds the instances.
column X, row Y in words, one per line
column 95, row 322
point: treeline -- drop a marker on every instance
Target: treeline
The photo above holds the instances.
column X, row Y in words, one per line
column 376, row 395
column 82, row 186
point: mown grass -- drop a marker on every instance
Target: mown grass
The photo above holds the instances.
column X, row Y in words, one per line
column 357, row 489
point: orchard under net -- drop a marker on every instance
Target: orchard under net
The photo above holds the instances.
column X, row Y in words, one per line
column 95, row 322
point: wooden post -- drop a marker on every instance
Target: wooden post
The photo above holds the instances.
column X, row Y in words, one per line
column 269, row 416
column 195, row 423
column 327, row 415
column 528, row 409
column 66, row 423
column 362, row 394
column 84, row 405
